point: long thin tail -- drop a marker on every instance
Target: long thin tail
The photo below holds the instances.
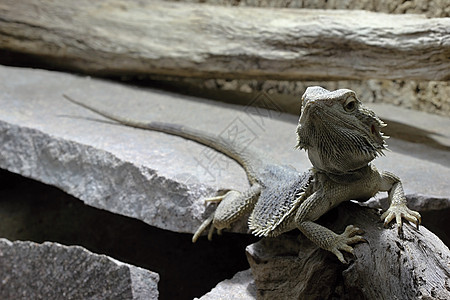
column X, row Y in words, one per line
column 248, row 159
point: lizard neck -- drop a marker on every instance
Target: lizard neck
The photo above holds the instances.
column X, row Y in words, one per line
column 348, row 176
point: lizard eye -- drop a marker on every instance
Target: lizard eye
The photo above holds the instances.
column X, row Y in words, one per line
column 350, row 104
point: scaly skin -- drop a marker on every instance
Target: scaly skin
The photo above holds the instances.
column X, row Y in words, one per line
column 341, row 137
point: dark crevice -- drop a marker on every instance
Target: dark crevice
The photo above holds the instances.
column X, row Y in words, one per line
column 33, row 211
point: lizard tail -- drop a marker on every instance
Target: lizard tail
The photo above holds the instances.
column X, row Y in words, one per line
column 248, row 159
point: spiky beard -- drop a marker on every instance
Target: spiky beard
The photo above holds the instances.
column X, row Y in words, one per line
column 339, row 147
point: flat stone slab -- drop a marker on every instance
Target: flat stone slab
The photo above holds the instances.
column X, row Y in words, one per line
column 240, row 287
column 53, row 271
column 158, row 178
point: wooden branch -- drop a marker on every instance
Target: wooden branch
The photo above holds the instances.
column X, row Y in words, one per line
column 415, row 266
column 116, row 37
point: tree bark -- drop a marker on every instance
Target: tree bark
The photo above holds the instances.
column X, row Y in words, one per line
column 117, row 37
column 388, row 266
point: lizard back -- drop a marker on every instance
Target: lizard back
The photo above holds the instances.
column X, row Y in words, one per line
column 279, row 200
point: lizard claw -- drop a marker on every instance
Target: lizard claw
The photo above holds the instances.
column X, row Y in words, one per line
column 233, row 205
column 400, row 212
column 343, row 241
column 218, row 199
column 202, row 228
column 210, row 219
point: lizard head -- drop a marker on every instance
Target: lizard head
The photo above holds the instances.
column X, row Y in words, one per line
column 338, row 132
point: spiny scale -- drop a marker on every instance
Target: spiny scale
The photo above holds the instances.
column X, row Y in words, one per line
column 277, row 204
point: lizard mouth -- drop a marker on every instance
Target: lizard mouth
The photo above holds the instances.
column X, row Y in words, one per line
column 339, row 143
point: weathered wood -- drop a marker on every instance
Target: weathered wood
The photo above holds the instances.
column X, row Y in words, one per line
column 415, row 266
column 112, row 37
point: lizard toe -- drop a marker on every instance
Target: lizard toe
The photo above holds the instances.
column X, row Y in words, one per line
column 352, row 230
column 413, row 217
column 339, row 255
column 400, row 212
column 218, row 199
column 343, row 241
column 202, row 228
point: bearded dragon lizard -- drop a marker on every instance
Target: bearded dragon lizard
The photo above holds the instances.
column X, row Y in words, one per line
column 341, row 137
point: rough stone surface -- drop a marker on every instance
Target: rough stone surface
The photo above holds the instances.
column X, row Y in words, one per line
column 415, row 266
column 240, row 287
column 205, row 41
column 33, row 211
column 53, row 271
column 157, row 178
column 415, row 203
column 433, row 8
column 426, row 96
column 290, row 268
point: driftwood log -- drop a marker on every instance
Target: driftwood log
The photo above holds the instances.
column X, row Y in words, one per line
column 117, row 37
column 413, row 266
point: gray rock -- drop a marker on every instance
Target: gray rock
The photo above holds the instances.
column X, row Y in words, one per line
column 157, row 178
column 419, row 203
column 424, row 96
column 289, row 268
column 435, row 8
column 53, row 271
column 240, row 287
column 160, row 44
column 414, row 266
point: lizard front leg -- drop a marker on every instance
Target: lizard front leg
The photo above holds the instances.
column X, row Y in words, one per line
column 397, row 209
column 310, row 210
column 232, row 206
